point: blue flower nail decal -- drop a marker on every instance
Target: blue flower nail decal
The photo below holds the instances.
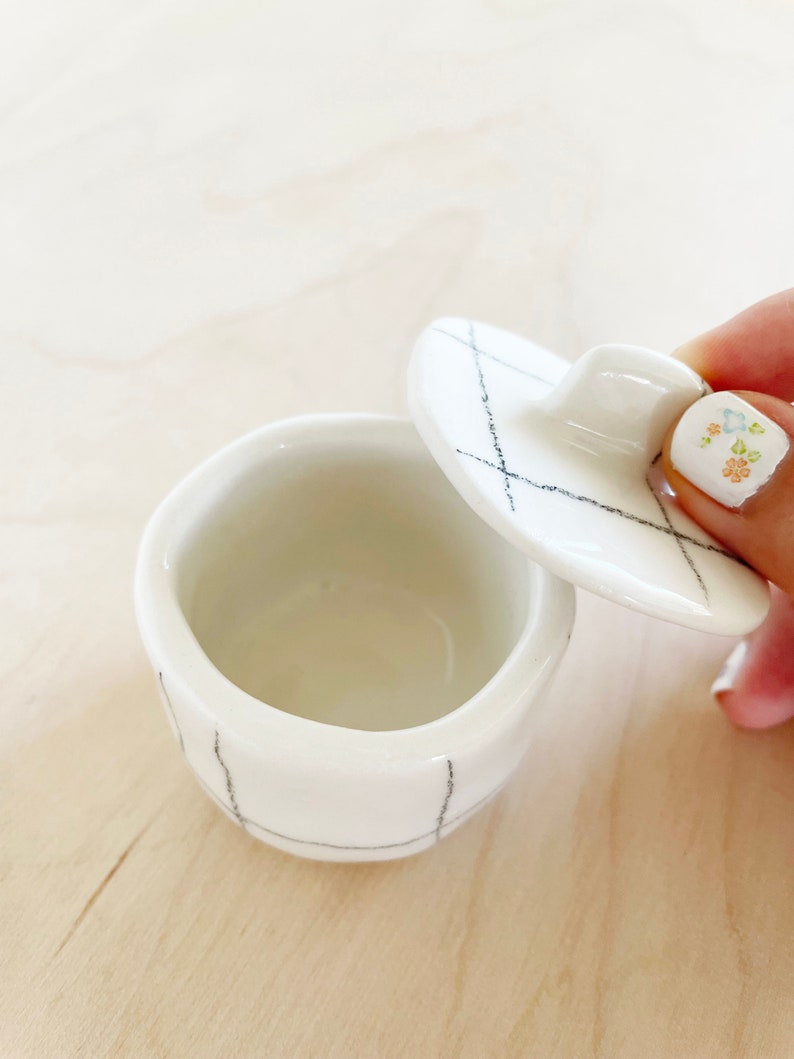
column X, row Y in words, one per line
column 733, row 421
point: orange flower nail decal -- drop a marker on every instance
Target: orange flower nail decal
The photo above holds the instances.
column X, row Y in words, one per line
column 712, row 431
column 736, row 469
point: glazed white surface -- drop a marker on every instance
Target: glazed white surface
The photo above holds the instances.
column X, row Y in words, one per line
column 309, row 767
column 561, row 460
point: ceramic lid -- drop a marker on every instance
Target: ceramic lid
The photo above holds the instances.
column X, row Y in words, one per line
column 562, row 460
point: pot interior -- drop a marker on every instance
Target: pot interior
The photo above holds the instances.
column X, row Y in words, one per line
column 352, row 587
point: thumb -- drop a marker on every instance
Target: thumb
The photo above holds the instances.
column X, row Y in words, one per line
column 729, row 460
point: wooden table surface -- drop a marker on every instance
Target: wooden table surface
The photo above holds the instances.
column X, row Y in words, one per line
column 218, row 214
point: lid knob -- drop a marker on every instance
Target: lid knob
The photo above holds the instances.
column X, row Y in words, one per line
column 620, row 398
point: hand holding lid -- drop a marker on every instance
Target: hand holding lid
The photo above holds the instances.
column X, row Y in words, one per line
column 560, row 460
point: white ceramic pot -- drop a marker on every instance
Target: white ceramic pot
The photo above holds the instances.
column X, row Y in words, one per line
column 348, row 656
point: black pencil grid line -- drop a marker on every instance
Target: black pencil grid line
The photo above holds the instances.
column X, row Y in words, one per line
column 447, row 796
column 486, row 401
column 495, row 359
column 167, row 699
column 679, row 541
column 547, row 487
column 229, row 784
column 248, row 824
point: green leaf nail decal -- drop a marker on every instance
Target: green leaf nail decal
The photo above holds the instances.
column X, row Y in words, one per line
column 756, row 428
column 704, row 442
column 753, row 455
column 739, row 447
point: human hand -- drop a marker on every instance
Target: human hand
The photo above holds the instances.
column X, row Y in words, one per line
column 744, row 495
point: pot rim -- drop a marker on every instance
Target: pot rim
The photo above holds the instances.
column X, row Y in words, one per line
column 182, row 663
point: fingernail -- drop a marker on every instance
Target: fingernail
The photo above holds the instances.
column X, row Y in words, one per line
column 726, row 678
column 727, row 448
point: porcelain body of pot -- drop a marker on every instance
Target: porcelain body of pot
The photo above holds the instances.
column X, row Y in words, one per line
column 348, row 656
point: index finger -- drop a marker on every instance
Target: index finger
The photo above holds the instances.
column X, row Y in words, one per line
column 752, row 351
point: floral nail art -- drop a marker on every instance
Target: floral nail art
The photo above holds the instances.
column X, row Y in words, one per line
column 727, row 448
column 736, row 469
column 734, row 422
column 713, row 430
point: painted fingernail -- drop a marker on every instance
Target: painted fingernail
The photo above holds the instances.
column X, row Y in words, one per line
column 726, row 678
column 727, row 448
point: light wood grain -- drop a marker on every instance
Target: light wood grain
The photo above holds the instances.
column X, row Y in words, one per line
column 215, row 215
